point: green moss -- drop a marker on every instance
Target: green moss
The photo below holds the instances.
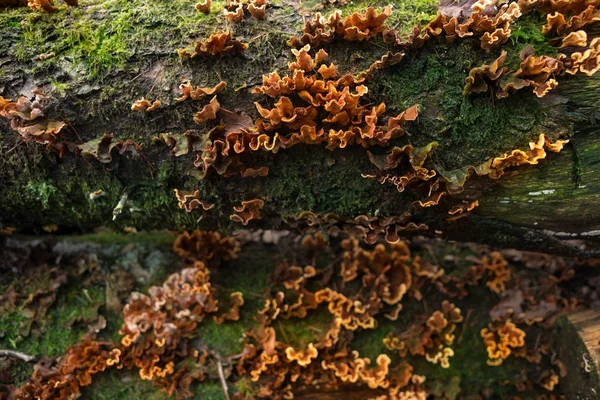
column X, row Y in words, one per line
column 527, row 31
column 298, row 333
column 301, row 185
column 469, row 129
column 226, row 339
column 122, row 385
column 103, row 35
column 20, row 372
column 154, row 239
column 9, row 329
column 405, row 14
column 60, row 328
column 210, row 391
column 40, row 191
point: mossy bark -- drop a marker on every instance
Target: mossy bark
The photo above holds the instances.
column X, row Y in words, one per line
column 148, row 258
column 102, row 62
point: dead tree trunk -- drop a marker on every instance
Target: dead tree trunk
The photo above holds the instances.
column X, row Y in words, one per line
column 92, row 79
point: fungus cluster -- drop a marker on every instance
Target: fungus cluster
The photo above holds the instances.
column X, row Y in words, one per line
column 221, row 43
column 536, row 72
column 155, row 325
column 432, row 338
column 369, row 228
column 64, row 379
column 189, row 200
column 317, row 105
column 145, row 105
column 27, row 117
column 332, row 112
column 500, row 340
column 48, row 5
column 247, row 211
column 235, row 9
column 368, row 283
column 355, row 27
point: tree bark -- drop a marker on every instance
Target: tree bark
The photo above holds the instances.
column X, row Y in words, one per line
column 552, row 207
column 578, row 349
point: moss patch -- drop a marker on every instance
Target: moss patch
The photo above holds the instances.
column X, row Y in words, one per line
column 469, row 129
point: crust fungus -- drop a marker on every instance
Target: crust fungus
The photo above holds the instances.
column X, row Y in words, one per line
column 302, row 357
column 73, row 371
column 181, row 144
column 237, row 301
column 235, row 9
column 188, row 91
column 247, row 211
column 220, row 43
column 558, row 22
column 102, row 148
column 478, row 77
column 204, row 6
column 495, row 167
column 27, row 118
column 155, row 324
column 500, row 341
column 145, row 105
column 206, row 246
column 431, row 338
column 587, row 61
column 189, row 200
column 208, row 112
column 354, row 27
column 574, row 39
column 498, row 271
column 47, row 5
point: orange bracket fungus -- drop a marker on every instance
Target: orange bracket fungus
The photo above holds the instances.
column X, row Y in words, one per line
column 235, row 9
column 145, row 105
column 27, row 118
column 204, row 6
column 500, row 341
column 48, row 5
column 189, row 200
column 249, row 210
column 188, row 91
column 208, row 112
column 218, row 44
column 102, row 148
column 354, row 27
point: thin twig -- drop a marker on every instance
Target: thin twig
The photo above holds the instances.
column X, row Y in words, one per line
column 17, row 354
column 460, row 335
column 222, row 378
column 283, row 332
column 19, row 142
